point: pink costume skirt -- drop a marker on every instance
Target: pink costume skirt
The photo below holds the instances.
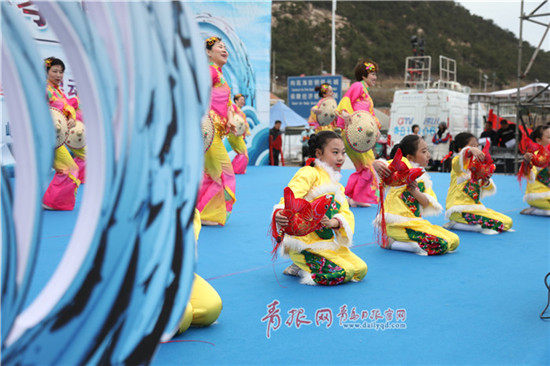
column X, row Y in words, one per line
column 61, row 193
column 217, row 192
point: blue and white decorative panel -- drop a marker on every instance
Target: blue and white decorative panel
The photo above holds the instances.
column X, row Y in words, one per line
column 124, row 280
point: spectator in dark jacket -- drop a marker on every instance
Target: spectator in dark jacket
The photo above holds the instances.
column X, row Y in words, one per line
column 506, row 135
column 489, row 133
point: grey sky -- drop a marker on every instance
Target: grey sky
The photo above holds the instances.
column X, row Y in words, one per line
column 505, row 13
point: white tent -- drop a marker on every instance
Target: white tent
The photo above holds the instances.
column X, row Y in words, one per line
column 383, row 118
column 281, row 112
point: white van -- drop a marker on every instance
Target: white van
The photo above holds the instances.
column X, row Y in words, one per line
column 427, row 108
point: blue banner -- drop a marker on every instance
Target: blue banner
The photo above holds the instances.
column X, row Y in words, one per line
column 302, row 95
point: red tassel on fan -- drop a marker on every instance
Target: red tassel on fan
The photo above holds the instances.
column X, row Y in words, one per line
column 277, row 236
column 382, row 231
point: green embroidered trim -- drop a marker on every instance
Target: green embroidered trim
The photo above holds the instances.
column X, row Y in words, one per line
column 421, row 187
column 485, row 222
column 472, row 190
column 219, row 71
column 334, row 208
column 411, row 202
column 324, row 271
column 432, row 244
column 544, row 177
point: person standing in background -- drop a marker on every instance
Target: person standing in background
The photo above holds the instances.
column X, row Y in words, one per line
column 442, row 142
column 304, row 137
column 237, row 143
column 275, row 143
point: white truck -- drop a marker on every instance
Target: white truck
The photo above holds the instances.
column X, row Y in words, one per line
column 427, row 108
column 427, row 104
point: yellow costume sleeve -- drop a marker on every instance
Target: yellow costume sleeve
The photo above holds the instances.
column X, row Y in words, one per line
column 197, row 223
column 434, row 208
column 312, row 116
column 344, row 234
column 345, row 105
column 302, row 182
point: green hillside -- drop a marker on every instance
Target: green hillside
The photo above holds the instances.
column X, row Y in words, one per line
column 382, row 30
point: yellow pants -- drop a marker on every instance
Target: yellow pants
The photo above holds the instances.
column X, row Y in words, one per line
column 237, row 143
column 330, row 267
column 431, row 238
column 204, row 307
column 488, row 219
column 542, row 203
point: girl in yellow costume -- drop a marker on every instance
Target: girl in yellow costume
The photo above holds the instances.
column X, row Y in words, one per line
column 61, row 193
column 217, row 192
column 464, row 207
column 237, row 142
column 205, row 305
column 361, row 186
column 325, row 91
column 323, row 256
column 537, row 193
column 406, row 205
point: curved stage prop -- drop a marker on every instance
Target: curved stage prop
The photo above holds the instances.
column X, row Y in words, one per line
column 124, row 280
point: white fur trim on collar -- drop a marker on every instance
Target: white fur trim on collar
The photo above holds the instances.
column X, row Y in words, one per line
column 333, row 174
column 326, row 189
column 424, row 177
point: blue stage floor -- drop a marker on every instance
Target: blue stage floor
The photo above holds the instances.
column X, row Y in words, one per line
column 479, row 305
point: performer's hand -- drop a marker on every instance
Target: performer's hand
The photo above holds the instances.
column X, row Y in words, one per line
column 71, row 123
column 478, row 154
column 329, row 223
column 230, row 125
column 528, row 157
column 281, row 219
column 381, row 168
column 344, row 115
column 316, row 111
column 412, row 186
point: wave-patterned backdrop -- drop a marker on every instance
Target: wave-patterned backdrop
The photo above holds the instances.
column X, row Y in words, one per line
column 125, row 277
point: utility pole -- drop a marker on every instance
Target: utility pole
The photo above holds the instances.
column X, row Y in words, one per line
column 518, row 96
column 333, row 47
column 273, row 81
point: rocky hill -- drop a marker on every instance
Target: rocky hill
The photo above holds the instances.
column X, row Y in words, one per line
column 382, row 31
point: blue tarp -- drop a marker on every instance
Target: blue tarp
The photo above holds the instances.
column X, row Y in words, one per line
column 287, row 116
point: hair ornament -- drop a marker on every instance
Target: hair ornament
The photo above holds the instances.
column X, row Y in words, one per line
column 370, row 67
column 48, row 62
column 324, row 88
column 212, row 40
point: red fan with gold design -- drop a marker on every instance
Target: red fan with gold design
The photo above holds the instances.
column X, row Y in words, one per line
column 481, row 169
column 303, row 217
